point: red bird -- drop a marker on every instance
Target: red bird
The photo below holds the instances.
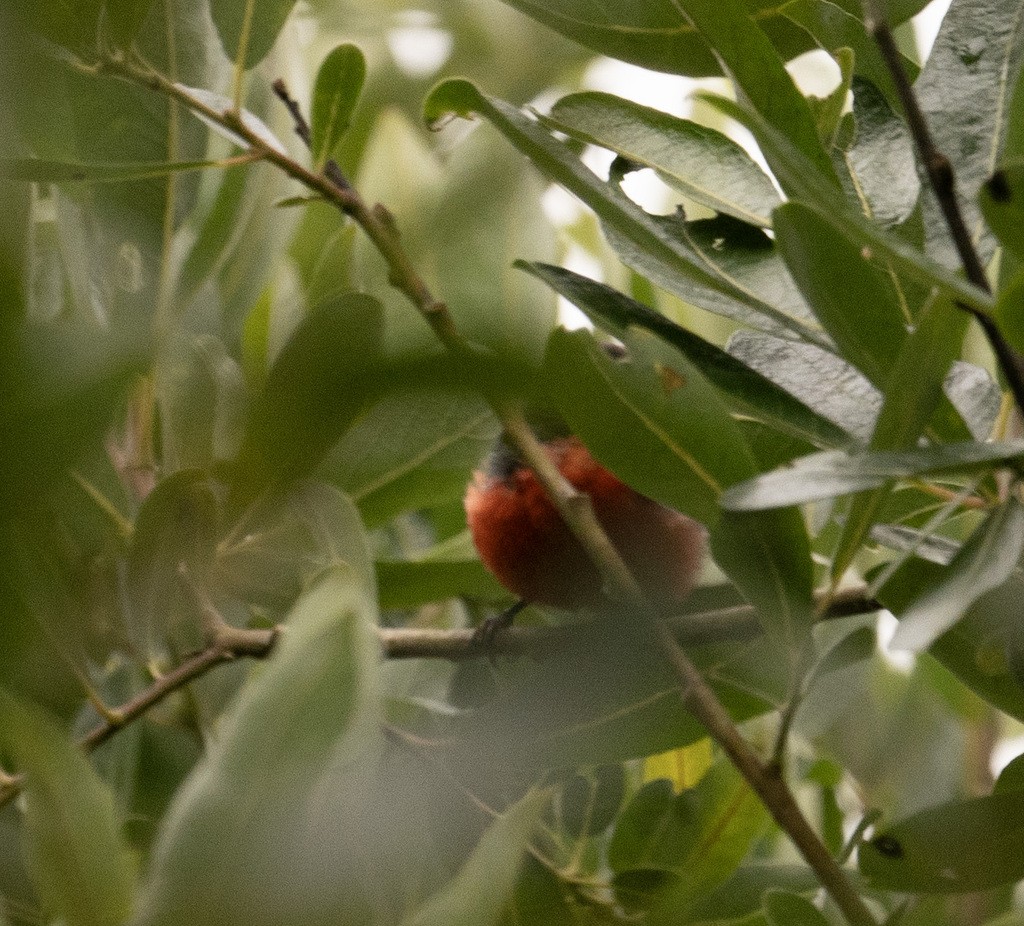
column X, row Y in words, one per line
column 523, row 540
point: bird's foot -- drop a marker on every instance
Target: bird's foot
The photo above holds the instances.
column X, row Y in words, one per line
column 485, row 635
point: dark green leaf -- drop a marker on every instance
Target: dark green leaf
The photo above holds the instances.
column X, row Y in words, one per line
column 1011, row 778
column 785, row 909
column 971, row 73
column 751, row 394
column 482, row 890
column 748, row 57
column 74, row 25
column 588, row 805
column 741, row 895
column 82, row 869
column 335, row 94
column 257, row 23
column 409, row 584
column 982, row 564
column 833, row 473
column 863, row 315
column 958, row 847
column 701, row 163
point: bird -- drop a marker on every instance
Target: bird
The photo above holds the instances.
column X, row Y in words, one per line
column 528, row 547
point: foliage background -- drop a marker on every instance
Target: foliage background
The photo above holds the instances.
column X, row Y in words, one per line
column 199, row 369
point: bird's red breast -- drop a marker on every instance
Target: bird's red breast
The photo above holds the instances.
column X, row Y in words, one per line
column 525, row 543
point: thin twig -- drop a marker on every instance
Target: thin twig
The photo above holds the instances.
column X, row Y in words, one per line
column 943, row 181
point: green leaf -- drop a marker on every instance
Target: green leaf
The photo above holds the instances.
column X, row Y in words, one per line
column 741, row 254
column 1002, row 204
column 785, row 909
column 40, row 170
column 589, row 805
column 833, row 473
column 223, row 104
column 1011, row 778
column 202, row 400
column 241, row 818
column 83, row 871
column 124, row 19
column 700, row 835
column 176, row 524
column 798, row 177
column 73, row 25
column 700, row 162
column 863, row 315
column 482, row 890
column 412, row 450
column 742, row 894
column 964, row 89
column 817, row 378
column 618, row 213
column 412, row 583
column 834, row 27
column 982, row 564
column 882, row 157
column 256, row 23
column 335, row 94
column 653, row 420
column 957, row 847
column 319, row 383
column 279, row 545
column 750, row 394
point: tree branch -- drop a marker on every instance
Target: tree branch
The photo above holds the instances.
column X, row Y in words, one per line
column 942, row 178
column 574, row 507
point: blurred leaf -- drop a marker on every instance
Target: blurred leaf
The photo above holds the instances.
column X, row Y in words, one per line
column 73, row 25
column 285, row 539
column 863, row 316
column 742, row 893
column 482, row 890
column 257, row 23
column 202, row 400
column 684, row 767
column 39, row 170
column 971, row 73
column 700, row 162
column 176, row 524
column 316, row 388
column 619, row 214
column 954, row 848
column 412, row 450
column 750, row 393
column 786, row 909
column 832, row 473
column 882, row 156
column 589, row 805
column 81, row 867
column 335, row 94
column 982, row 564
column 230, row 849
column 124, row 19
column 412, row 583
column 541, row 898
